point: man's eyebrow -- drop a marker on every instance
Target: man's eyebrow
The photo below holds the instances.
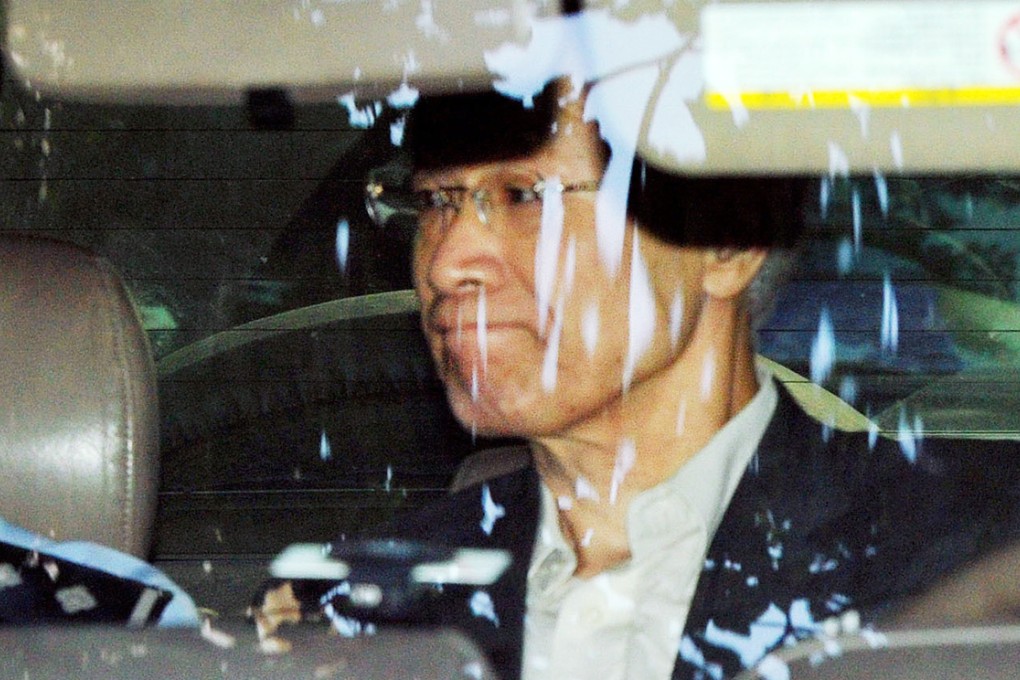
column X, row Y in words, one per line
column 433, row 179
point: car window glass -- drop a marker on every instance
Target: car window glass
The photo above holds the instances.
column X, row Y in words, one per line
column 298, row 399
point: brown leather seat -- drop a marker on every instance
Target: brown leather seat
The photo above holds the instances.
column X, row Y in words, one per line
column 78, row 411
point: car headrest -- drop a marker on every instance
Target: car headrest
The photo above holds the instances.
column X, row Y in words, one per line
column 78, row 411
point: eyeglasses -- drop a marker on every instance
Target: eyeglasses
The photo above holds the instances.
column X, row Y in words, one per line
column 498, row 206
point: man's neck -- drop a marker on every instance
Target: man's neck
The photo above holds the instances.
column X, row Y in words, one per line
column 641, row 439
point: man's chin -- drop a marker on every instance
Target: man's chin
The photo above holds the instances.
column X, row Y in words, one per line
column 484, row 418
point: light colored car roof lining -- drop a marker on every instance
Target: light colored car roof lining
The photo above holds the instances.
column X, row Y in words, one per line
column 853, row 119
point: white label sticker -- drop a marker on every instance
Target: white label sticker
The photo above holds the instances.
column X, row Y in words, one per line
column 884, row 53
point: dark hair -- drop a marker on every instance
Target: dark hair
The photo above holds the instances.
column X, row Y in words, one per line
column 716, row 211
column 737, row 211
column 476, row 127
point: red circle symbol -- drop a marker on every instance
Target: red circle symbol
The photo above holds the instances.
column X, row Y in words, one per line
column 1009, row 45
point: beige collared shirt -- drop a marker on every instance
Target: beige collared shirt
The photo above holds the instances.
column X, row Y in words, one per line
column 626, row 623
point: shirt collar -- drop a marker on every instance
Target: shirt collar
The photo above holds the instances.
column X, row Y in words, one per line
column 696, row 496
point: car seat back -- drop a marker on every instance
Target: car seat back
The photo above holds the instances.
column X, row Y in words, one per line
column 78, row 409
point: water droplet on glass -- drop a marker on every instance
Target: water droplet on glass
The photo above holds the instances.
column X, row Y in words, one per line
column 707, row 376
column 388, row 482
column 482, row 330
column 460, row 324
column 823, row 349
column 907, row 440
column 641, row 313
column 325, row 449
column 676, row 318
column 474, row 670
column 343, row 243
column 550, row 363
column 611, row 200
column 882, row 191
column 590, row 328
column 801, row 618
column 855, row 206
column 570, row 265
column 763, row 634
column 772, row 668
column 839, row 163
column 547, row 250
column 583, row 489
column 775, row 551
column 896, row 149
column 397, row 131
column 491, row 511
column 741, row 116
column 848, row 389
column 626, row 455
column 403, row 97
column 890, row 330
column 359, row 117
column 863, row 113
column 845, row 256
column 426, row 22
column 482, row 606
column 681, row 418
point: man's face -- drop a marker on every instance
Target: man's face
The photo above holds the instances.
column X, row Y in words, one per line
column 530, row 332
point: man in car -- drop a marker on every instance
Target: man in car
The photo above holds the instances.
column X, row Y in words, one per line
column 676, row 513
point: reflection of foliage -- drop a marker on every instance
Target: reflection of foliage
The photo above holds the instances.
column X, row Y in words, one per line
column 960, row 230
column 26, row 120
column 978, row 267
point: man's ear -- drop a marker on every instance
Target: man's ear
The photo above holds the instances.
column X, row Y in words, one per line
column 729, row 271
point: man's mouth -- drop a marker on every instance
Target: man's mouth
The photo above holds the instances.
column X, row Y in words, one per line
column 450, row 321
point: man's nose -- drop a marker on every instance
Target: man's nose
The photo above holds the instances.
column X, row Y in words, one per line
column 467, row 254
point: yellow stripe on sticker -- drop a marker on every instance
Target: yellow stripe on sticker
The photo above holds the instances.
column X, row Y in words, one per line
column 841, row 99
column 843, row 53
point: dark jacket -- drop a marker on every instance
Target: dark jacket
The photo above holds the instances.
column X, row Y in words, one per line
column 821, row 522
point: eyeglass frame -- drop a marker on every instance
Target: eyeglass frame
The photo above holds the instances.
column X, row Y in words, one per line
column 445, row 197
